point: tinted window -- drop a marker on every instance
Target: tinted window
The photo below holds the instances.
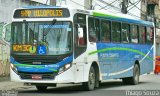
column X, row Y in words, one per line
column 116, row 30
column 142, row 35
column 150, row 34
column 93, row 29
column 105, row 31
column 134, row 34
column 125, row 33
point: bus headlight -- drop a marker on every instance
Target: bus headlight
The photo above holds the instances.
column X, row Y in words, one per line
column 64, row 68
column 13, row 67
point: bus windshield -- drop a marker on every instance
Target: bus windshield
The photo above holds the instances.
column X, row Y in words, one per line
column 42, row 38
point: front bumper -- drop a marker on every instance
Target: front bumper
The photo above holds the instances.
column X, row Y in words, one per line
column 67, row 76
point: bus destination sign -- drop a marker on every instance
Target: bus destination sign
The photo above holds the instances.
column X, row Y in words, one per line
column 41, row 13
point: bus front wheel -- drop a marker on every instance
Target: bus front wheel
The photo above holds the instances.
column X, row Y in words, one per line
column 91, row 80
column 134, row 80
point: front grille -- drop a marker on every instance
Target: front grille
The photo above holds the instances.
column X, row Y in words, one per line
column 25, row 75
column 29, row 59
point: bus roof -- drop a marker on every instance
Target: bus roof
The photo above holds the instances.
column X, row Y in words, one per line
column 120, row 17
column 102, row 14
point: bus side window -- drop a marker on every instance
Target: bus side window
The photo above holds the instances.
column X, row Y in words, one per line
column 142, row 35
column 97, row 28
column 150, row 35
column 125, row 33
column 82, row 41
column 116, row 32
column 93, row 29
column 105, row 31
column 134, row 34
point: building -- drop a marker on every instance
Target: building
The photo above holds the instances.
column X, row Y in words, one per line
column 151, row 12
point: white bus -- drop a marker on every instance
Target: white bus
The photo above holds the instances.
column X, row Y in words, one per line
column 53, row 45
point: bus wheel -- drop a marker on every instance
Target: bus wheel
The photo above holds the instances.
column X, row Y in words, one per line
column 134, row 80
column 91, row 80
column 41, row 88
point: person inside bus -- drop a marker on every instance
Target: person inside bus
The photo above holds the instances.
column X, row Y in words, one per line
column 105, row 32
column 92, row 35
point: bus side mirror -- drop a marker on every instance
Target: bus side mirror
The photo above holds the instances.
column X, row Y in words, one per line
column 80, row 32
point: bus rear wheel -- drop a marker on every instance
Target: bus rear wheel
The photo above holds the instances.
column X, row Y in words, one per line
column 90, row 85
column 41, row 88
column 134, row 80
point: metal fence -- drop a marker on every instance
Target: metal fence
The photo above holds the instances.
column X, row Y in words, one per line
column 4, row 55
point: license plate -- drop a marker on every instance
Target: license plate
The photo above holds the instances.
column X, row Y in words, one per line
column 37, row 77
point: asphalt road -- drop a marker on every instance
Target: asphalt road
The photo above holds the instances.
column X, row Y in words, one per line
column 149, row 86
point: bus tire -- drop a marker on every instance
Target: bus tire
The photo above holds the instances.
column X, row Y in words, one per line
column 90, row 85
column 41, row 88
column 134, row 80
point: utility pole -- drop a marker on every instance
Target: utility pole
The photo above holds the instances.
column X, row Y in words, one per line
column 91, row 6
column 124, row 5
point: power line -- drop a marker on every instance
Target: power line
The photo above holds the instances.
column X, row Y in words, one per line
column 109, row 4
column 79, row 4
column 134, row 4
column 102, row 1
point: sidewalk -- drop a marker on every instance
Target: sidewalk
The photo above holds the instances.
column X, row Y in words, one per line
column 7, row 84
column 4, row 78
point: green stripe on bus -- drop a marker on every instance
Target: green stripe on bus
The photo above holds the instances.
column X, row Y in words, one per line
column 119, row 49
column 35, row 66
column 104, row 15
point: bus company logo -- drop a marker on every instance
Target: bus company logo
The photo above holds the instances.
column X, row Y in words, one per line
column 109, row 55
column 32, row 49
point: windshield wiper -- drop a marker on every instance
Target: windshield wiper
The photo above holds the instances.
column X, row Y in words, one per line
column 46, row 32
